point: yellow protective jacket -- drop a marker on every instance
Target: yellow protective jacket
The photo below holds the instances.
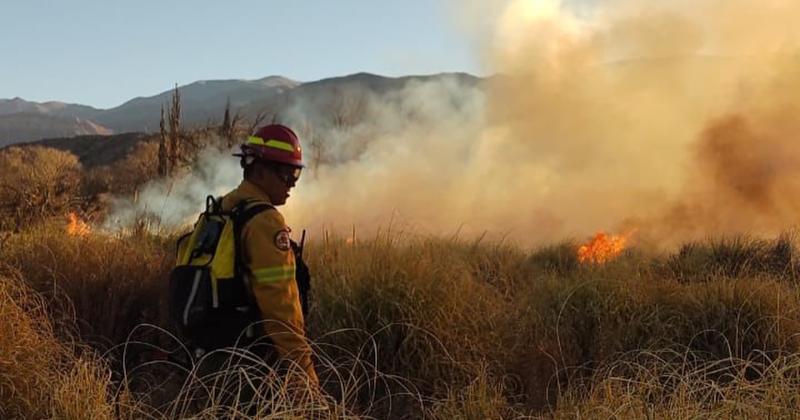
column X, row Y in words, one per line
column 271, row 272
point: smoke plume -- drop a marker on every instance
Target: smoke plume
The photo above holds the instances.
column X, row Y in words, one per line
column 174, row 203
column 676, row 119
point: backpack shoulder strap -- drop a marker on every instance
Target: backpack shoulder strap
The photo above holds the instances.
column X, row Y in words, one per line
column 243, row 212
column 247, row 209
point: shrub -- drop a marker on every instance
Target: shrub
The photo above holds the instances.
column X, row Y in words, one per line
column 36, row 182
column 125, row 175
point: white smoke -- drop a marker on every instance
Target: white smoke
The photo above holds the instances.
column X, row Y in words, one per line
column 402, row 152
column 600, row 120
column 417, row 154
column 173, row 203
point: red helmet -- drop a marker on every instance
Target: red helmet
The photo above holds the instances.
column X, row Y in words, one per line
column 274, row 143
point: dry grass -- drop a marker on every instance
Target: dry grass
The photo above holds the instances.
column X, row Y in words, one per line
column 652, row 387
column 40, row 375
column 435, row 328
column 109, row 284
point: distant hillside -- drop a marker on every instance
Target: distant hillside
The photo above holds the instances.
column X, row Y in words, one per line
column 28, row 126
column 201, row 102
column 327, row 95
column 61, row 109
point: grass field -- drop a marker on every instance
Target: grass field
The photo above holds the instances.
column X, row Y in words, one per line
column 410, row 327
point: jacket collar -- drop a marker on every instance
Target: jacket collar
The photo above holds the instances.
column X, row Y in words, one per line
column 249, row 190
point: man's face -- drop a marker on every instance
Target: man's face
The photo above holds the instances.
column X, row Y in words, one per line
column 276, row 181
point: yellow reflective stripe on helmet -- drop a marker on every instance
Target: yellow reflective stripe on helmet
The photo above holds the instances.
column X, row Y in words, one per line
column 273, row 274
column 276, row 144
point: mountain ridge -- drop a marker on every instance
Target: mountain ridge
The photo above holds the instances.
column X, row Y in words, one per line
column 202, row 101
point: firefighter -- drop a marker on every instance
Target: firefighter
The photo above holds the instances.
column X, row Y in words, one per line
column 272, row 162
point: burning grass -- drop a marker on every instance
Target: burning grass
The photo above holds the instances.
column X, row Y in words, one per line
column 77, row 227
column 602, row 248
column 427, row 327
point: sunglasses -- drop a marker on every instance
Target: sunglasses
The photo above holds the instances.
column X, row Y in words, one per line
column 288, row 174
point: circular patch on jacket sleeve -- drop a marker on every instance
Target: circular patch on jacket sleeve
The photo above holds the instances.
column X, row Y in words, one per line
column 282, row 241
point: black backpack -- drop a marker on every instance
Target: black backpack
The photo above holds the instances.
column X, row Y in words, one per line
column 210, row 300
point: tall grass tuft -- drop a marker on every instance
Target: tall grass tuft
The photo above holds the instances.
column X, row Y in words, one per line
column 734, row 257
column 110, row 284
column 651, row 387
column 40, row 375
column 421, row 327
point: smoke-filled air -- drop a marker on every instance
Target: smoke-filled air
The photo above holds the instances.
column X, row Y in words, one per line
column 672, row 118
column 601, row 223
column 666, row 120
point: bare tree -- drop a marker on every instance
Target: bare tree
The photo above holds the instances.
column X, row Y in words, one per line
column 316, row 147
column 169, row 147
column 348, row 108
column 174, row 118
column 267, row 114
column 230, row 125
column 163, row 165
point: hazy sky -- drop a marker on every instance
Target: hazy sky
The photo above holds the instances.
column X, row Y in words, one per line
column 104, row 52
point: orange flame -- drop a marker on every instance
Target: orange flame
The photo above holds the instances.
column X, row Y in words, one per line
column 77, row 227
column 602, row 248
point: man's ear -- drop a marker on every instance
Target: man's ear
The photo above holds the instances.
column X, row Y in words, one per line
column 253, row 171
